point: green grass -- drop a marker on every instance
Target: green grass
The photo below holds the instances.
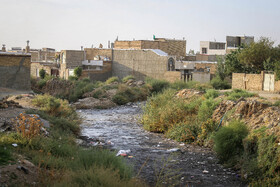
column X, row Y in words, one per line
column 127, row 78
column 237, row 93
column 112, row 80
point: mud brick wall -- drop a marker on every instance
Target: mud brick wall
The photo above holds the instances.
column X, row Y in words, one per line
column 93, row 52
column 98, row 75
column 15, row 71
column 254, row 82
column 171, row 47
column 212, row 66
column 201, row 77
column 139, row 63
column 277, row 86
column 247, row 81
column 238, row 81
column 172, row 76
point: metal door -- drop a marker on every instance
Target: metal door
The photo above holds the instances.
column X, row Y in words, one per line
column 268, row 84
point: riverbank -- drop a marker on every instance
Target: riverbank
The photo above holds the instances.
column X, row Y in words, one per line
column 155, row 159
column 45, row 152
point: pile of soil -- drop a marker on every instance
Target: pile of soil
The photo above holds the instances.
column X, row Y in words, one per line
column 254, row 113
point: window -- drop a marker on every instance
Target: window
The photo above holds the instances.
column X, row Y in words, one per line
column 204, row 50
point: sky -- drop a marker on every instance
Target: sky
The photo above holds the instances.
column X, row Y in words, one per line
column 70, row 24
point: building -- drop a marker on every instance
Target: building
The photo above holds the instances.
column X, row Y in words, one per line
column 142, row 63
column 234, row 42
column 69, row 60
column 45, row 58
column 172, row 47
column 212, row 48
column 15, row 70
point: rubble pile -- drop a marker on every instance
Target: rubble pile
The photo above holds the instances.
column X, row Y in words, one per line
column 6, row 104
column 188, row 93
column 254, row 113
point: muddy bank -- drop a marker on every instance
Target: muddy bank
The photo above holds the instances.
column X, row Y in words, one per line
column 154, row 158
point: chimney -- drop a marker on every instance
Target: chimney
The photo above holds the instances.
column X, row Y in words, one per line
column 27, row 48
column 4, row 48
column 109, row 44
column 82, row 48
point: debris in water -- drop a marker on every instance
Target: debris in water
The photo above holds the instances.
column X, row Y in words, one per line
column 123, row 152
column 205, row 171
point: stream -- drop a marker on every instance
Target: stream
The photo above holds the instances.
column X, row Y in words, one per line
column 155, row 159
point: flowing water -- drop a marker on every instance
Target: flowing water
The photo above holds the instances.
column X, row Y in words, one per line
column 155, row 159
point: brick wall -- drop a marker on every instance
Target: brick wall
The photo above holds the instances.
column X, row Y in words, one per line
column 15, row 71
column 93, row 52
column 212, row 66
column 172, row 47
column 99, row 75
column 139, row 63
column 172, row 76
column 247, row 81
column 277, row 86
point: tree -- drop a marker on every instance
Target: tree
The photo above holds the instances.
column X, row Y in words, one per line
column 42, row 73
column 220, row 72
column 254, row 56
column 78, row 71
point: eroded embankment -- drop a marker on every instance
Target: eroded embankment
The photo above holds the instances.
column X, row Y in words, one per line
column 155, row 159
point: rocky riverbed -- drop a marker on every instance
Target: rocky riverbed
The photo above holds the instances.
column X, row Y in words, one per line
column 155, row 159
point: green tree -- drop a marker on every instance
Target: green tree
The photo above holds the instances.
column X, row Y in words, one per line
column 78, row 71
column 220, row 71
column 42, row 73
column 254, row 56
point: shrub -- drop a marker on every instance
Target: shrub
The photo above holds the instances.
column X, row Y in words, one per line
column 28, row 126
column 6, row 155
column 211, row 93
column 42, row 73
column 228, row 141
column 184, row 132
column 207, row 128
column 277, row 103
column 112, row 80
column 206, row 109
column 163, row 111
column 127, row 78
column 157, row 86
column 72, row 78
column 237, row 93
column 78, row 71
column 53, row 106
column 120, row 99
column 219, row 84
column 179, row 85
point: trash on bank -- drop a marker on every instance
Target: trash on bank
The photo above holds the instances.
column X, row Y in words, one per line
column 173, row 150
column 123, row 152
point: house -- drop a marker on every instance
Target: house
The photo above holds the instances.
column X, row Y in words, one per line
column 45, row 58
column 15, row 70
column 212, row 48
column 234, row 42
column 172, row 47
column 141, row 63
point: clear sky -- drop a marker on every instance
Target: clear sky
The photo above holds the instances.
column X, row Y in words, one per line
column 70, row 24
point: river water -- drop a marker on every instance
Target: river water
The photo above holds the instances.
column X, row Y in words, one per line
column 155, row 159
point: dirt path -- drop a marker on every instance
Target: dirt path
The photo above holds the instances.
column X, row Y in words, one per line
column 155, row 158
